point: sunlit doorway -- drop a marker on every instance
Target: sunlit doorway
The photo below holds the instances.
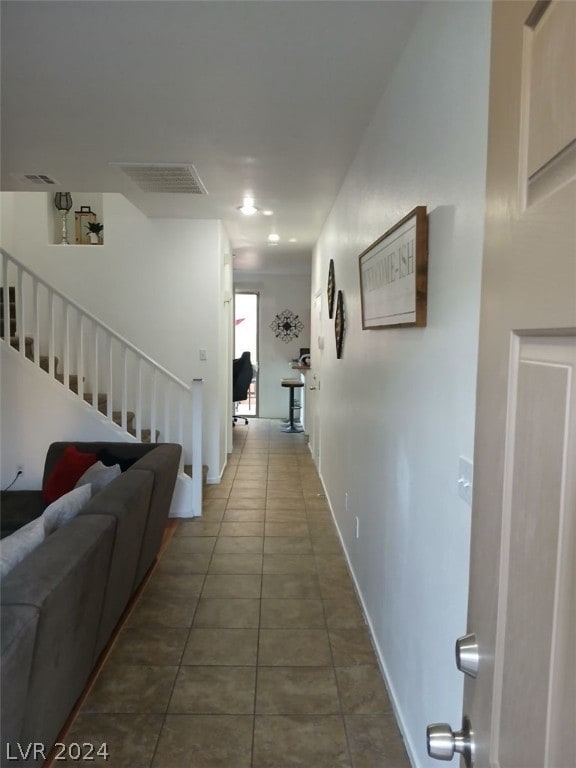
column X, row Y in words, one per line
column 246, row 340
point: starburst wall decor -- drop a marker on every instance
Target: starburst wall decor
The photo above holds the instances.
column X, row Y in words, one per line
column 287, row 326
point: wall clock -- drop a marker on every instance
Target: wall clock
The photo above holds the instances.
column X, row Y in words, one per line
column 339, row 324
column 331, row 288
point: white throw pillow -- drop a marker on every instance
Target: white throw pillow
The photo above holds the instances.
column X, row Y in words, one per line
column 65, row 508
column 98, row 475
column 17, row 545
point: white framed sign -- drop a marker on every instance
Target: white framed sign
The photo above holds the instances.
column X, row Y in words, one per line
column 394, row 274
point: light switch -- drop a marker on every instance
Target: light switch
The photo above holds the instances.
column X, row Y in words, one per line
column 203, row 355
column 465, row 469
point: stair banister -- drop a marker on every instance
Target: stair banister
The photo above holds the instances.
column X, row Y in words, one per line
column 179, row 398
column 197, row 442
column 103, row 326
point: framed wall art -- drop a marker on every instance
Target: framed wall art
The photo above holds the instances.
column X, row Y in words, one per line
column 394, row 275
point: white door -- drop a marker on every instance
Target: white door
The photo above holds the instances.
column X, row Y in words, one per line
column 521, row 705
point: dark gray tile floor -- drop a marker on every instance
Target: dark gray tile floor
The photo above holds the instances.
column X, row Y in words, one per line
column 247, row 648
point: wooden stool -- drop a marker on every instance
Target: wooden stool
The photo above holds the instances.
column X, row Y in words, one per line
column 292, row 384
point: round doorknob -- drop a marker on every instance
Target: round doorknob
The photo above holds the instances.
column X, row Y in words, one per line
column 442, row 742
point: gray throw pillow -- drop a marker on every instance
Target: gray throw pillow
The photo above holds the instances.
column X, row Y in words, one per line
column 98, row 476
column 14, row 548
column 65, row 508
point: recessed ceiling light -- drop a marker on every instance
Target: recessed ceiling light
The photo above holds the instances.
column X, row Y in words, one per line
column 248, row 208
column 273, row 237
column 292, row 240
column 268, row 212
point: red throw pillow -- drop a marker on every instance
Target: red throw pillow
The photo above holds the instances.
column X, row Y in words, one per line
column 68, row 470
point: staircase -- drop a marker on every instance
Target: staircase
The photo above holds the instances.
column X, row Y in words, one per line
column 106, row 373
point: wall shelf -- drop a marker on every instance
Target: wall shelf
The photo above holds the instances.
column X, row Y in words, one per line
column 86, row 207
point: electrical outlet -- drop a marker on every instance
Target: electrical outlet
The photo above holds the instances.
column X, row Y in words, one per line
column 203, row 355
column 20, row 468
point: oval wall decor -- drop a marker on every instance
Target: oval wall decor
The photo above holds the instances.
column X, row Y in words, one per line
column 331, row 288
column 339, row 324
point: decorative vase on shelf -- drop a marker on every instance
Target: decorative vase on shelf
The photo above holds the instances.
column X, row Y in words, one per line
column 94, row 238
column 63, row 203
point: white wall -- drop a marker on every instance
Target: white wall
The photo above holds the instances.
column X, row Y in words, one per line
column 277, row 293
column 405, row 398
column 157, row 282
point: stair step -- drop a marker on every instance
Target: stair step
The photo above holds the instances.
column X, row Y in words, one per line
column 117, row 418
column 11, row 294
column 45, row 363
column 11, row 310
column 145, row 438
column 102, row 401
column 188, row 471
column 28, row 343
column 72, row 381
column 12, row 328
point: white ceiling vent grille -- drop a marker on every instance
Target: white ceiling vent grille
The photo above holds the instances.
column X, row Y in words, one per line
column 36, row 178
column 164, row 178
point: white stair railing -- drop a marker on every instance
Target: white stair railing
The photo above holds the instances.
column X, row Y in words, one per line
column 106, row 371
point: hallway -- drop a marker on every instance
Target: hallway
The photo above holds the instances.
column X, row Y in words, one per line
column 247, row 647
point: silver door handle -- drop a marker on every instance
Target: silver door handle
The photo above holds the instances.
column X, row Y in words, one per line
column 467, row 655
column 312, row 389
column 442, row 742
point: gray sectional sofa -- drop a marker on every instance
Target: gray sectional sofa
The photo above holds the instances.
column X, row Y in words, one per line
column 60, row 605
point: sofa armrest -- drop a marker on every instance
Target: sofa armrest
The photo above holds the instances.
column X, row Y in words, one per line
column 127, row 501
column 18, row 633
column 65, row 580
column 164, row 462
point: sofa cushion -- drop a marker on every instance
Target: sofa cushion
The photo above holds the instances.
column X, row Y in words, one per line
column 17, row 546
column 98, row 476
column 65, row 508
column 68, row 470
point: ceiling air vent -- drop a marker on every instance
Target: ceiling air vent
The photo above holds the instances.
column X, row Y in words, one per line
column 36, row 178
column 164, row 177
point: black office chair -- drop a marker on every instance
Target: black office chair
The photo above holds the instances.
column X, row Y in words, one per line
column 242, row 373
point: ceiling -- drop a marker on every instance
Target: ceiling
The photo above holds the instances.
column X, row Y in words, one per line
column 264, row 97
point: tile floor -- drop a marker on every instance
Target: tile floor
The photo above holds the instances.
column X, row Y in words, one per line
column 247, row 648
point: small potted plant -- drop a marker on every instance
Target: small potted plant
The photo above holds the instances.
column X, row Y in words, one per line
column 94, row 231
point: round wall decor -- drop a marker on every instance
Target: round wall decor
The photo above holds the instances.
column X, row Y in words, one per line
column 287, row 326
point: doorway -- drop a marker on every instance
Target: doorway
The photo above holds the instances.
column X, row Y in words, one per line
column 246, row 308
